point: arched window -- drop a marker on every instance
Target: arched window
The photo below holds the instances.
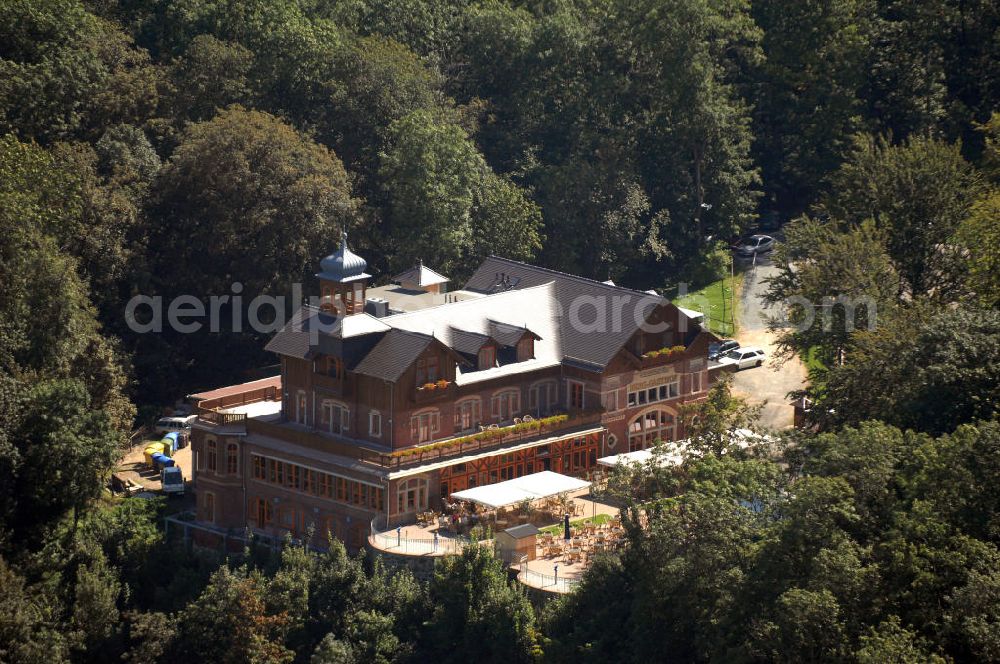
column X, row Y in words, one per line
column 423, row 425
column 542, row 398
column 505, row 404
column 411, row 495
column 232, row 459
column 651, row 426
column 334, row 417
column 212, row 454
column 467, row 414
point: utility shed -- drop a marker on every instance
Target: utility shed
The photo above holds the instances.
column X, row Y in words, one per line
column 517, row 542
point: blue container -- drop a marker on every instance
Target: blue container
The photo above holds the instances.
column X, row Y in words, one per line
column 167, row 463
column 159, row 460
column 172, row 438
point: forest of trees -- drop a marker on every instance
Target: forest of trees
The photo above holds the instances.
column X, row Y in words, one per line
column 167, row 147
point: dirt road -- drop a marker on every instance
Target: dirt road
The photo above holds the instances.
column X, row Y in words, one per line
column 769, row 384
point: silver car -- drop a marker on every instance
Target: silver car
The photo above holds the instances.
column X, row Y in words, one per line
column 755, row 244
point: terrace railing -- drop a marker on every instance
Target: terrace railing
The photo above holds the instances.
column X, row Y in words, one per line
column 547, row 581
column 392, row 542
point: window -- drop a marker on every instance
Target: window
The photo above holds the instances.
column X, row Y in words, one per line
column 335, row 417
column 331, row 366
column 695, row 383
column 467, row 414
column 650, row 427
column 300, row 407
column 212, row 455
column 262, row 512
column 423, row 426
column 487, row 357
column 525, row 349
column 258, row 467
column 541, row 397
column 427, row 370
column 663, row 392
column 209, row 513
column 411, row 495
column 506, row 404
column 609, row 401
column 232, row 459
column 575, row 394
column 375, row 424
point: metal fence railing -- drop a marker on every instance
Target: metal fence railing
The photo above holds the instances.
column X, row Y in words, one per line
column 547, row 581
column 392, row 541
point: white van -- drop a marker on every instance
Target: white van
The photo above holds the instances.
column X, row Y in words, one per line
column 168, row 424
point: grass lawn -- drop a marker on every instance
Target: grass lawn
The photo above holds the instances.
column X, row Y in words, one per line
column 596, row 520
column 709, row 301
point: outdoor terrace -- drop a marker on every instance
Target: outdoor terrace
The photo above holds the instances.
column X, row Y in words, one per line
column 235, row 403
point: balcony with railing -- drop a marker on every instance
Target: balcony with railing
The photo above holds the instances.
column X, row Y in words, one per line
column 234, row 404
column 493, row 437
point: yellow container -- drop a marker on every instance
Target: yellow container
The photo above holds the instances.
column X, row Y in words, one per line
column 155, row 448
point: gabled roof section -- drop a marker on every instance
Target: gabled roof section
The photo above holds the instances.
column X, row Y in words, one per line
column 394, row 354
column 467, row 342
column 306, row 334
column 507, row 334
column 595, row 319
column 421, row 275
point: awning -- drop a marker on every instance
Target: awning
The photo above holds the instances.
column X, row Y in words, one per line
column 672, row 453
column 665, row 458
column 530, row 487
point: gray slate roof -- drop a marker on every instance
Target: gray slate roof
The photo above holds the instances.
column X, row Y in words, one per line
column 522, row 531
column 559, row 310
column 394, row 354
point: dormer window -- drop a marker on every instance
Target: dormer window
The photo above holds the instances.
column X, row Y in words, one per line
column 487, row 357
column 331, row 366
column 525, row 349
column 427, row 370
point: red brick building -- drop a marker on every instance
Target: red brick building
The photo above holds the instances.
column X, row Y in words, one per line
column 392, row 398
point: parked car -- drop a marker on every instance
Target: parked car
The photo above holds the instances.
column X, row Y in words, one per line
column 755, row 244
column 717, row 350
column 743, row 358
column 168, row 424
column 172, row 480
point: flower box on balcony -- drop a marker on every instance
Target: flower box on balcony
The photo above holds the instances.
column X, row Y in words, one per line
column 655, row 358
column 433, row 391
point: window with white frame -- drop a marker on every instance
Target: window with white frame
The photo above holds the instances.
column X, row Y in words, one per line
column 467, row 414
column 375, row 424
column 695, row 383
column 609, row 401
column 505, row 404
column 424, row 425
column 649, row 428
column 411, row 495
column 335, row 417
column 654, row 394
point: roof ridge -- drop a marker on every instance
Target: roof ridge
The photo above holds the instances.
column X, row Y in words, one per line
column 457, row 303
column 567, row 275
